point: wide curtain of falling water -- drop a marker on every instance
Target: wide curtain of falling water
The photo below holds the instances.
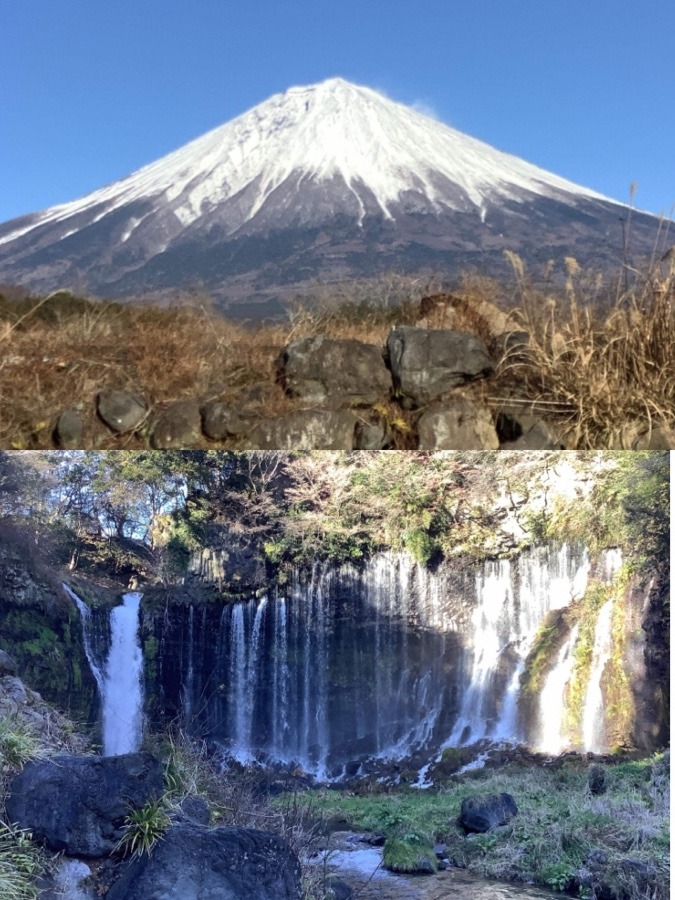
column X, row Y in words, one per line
column 381, row 660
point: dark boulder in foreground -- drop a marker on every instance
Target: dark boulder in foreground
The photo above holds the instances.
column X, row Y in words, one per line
column 334, row 372
column 426, row 365
column 195, row 863
column 77, row 804
column 597, row 779
column 483, row 813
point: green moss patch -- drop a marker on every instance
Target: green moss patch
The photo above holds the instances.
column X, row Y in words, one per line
column 409, row 852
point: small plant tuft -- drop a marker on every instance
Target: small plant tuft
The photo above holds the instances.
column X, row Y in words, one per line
column 143, row 828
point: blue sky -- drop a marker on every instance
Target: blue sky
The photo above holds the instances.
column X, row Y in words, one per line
column 91, row 91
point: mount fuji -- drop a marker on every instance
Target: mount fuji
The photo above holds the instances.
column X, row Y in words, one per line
column 327, row 181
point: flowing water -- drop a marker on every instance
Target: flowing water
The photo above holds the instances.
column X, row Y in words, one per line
column 361, row 868
column 378, row 661
column 85, row 619
column 123, row 706
column 552, row 704
column 120, row 678
column 513, row 598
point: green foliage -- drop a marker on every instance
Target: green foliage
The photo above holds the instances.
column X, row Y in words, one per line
column 17, row 744
column 185, row 768
column 20, row 864
column 274, row 551
column 186, row 538
column 642, row 483
column 420, row 545
column 557, row 876
column 629, row 507
column 143, row 828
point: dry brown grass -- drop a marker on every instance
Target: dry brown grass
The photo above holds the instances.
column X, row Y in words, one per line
column 605, row 371
column 596, row 370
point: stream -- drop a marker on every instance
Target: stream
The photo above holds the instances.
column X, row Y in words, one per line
column 360, row 867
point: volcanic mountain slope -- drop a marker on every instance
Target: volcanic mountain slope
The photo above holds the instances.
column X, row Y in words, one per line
column 329, row 180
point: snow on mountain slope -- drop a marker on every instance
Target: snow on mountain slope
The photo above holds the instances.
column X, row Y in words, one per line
column 378, row 148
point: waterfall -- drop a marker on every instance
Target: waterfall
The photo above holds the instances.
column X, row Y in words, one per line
column 280, row 723
column 85, row 619
column 120, row 680
column 593, row 719
column 380, row 660
column 123, row 706
column 552, row 698
column 512, row 599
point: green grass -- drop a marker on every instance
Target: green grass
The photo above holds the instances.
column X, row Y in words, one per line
column 558, row 824
column 20, row 863
column 17, row 744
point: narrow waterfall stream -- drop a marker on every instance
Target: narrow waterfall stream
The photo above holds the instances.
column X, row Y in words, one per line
column 85, row 619
column 552, row 698
column 123, row 706
column 120, row 678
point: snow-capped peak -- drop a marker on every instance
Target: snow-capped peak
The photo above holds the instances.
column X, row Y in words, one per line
column 380, row 149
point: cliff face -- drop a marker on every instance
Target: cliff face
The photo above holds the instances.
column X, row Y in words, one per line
column 652, row 686
column 41, row 631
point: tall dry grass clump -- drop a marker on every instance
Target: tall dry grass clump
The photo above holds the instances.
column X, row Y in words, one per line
column 605, row 370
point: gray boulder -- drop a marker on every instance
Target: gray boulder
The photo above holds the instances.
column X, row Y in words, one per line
column 525, row 432
column 195, row 810
column 120, row 410
column 69, row 431
column 370, row 435
column 426, row 365
column 77, row 804
column 220, row 421
column 195, row 863
column 334, row 372
column 178, row 426
column 311, row 429
column 457, row 425
column 480, row 814
column 7, row 664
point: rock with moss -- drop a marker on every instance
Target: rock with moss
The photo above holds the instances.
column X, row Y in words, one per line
column 410, row 852
column 7, row 664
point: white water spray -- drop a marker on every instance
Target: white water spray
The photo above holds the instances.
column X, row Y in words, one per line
column 552, row 698
column 85, row 619
column 123, row 706
column 513, row 598
column 120, row 681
